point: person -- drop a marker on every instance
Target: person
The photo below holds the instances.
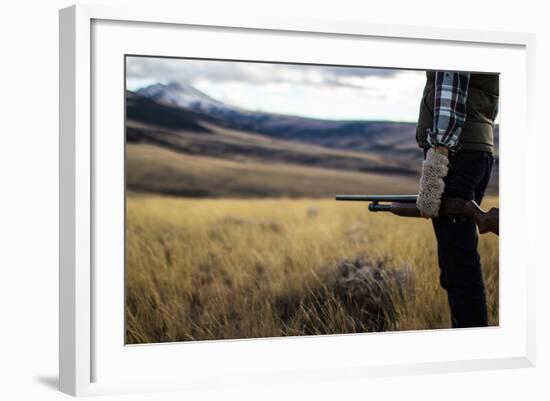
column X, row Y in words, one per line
column 455, row 129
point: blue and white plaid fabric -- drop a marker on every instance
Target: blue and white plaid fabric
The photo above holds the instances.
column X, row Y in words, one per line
column 451, row 92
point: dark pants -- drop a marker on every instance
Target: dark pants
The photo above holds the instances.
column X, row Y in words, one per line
column 457, row 239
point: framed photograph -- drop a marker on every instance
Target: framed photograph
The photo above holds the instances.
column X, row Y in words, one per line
column 242, row 200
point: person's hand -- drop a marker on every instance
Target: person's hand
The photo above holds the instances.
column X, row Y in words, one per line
column 434, row 169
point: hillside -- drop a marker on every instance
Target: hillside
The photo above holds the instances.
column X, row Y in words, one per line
column 152, row 168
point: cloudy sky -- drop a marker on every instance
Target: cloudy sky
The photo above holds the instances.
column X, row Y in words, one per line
column 306, row 90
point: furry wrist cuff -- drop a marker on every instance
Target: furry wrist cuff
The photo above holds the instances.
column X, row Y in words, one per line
column 434, row 169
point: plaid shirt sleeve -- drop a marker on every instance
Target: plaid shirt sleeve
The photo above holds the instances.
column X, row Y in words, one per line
column 451, row 92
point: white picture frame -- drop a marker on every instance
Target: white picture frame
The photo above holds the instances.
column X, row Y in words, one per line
column 94, row 360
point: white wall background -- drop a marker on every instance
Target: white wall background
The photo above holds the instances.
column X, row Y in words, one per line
column 29, row 197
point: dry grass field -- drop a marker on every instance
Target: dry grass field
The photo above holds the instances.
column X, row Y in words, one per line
column 201, row 269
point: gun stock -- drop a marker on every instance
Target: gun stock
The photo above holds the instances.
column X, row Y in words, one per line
column 486, row 221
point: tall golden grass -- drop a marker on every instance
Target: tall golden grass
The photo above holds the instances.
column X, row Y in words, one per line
column 200, row 269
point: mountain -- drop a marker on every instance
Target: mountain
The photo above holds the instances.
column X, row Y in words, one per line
column 180, row 95
column 379, row 136
column 144, row 109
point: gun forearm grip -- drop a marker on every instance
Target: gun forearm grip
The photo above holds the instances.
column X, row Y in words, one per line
column 405, row 209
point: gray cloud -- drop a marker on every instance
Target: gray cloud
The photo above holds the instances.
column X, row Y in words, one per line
column 192, row 70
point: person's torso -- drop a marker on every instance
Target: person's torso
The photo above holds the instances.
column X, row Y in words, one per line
column 481, row 110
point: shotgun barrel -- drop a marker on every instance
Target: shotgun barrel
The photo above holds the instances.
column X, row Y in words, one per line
column 378, row 198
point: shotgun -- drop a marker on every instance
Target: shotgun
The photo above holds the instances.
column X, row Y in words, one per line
column 405, row 205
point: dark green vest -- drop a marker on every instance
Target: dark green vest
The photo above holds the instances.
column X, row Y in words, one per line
column 481, row 110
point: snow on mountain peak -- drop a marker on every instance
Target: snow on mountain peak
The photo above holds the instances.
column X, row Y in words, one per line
column 182, row 95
